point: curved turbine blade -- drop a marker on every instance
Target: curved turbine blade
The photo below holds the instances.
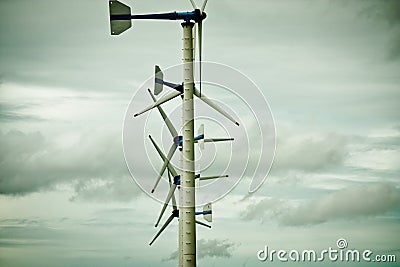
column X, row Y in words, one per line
column 166, row 161
column 214, row 106
column 203, row 7
column 169, row 196
column 204, row 224
column 160, row 101
column 169, row 220
column 168, row 122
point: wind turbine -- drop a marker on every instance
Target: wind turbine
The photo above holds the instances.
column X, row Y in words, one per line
column 177, row 179
column 178, row 90
column 207, row 213
column 121, row 20
column 177, row 139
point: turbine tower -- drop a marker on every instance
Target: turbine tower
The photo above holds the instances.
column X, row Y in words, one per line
column 121, row 20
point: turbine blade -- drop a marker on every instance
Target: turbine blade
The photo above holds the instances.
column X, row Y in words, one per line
column 204, row 224
column 193, row 4
column 211, row 140
column 203, row 7
column 169, row 196
column 173, row 195
column 166, row 161
column 202, row 178
column 168, row 122
column 200, row 49
column 169, row 220
column 214, row 106
column 160, row 101
column 171, row 151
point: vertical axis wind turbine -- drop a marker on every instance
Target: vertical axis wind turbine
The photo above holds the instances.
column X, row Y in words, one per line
column 121, row 20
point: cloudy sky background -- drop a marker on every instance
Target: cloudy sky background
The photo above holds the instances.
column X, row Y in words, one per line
column 329, row 70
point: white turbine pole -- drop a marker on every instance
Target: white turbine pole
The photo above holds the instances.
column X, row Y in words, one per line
column 187, row 221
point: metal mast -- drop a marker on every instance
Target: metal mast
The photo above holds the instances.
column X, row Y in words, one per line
column 187, row 227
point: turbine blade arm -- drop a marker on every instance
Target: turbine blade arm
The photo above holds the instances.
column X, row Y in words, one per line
column 173, row 195
column 178, row 87
column 186, row 16
column 169, row 196
column 166, row 161
column 212, row 140
column 212, row 177
column 161, row 16
column 193, row 4
column 160, row 101
column 171, row 217
column 168, row 122
column 208, row 101
column 203, row 7
column 204, row 224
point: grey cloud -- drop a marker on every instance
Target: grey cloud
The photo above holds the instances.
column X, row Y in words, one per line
column 104, row 190
column 73, row 48
column 16, row 112
column 346, row 204
column 385, row 142
column 263, row 210
column 388, row 12
column 394, row 47
column 173, row 256
column 309, row 152
column 213, row 248
column 95, row 164
column 97, row 242
column 351, row 203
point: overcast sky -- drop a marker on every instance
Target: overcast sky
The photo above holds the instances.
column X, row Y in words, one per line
column 328, row 69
